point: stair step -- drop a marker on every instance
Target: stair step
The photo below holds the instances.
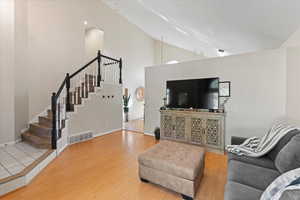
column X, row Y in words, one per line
column 49, row 113
column 40, row 130
column 45, row 121
column 36, row 141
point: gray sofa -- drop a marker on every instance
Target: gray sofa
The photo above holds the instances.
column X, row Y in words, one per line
column 249, row 177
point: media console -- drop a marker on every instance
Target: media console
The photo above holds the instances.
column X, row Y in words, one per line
column 206, row 129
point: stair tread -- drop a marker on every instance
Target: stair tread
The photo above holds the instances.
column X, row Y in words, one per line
column 42, row 139
column 39, row 142
column 46, row 117
column 45, row 121
column 40, row 130
column 41, row 126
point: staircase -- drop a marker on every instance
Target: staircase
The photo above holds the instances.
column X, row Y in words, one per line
column 47, row 130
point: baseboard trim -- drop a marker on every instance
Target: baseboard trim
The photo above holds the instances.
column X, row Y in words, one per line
column 150, row 134
column 59, row 151
column 141, row 132
column 107, row 132
column 7, row 143
column 11, row 143
column 24, row 130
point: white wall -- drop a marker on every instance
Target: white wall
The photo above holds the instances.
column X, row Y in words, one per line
column 21, row 67
column 293, row 92
column 164, row 53
column 94, row 41
column 293, row 40
column 258, row 89
column 7, row 51
column 99, row 115
column 292, row 46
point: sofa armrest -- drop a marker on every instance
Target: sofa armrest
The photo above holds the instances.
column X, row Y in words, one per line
column 237, row 140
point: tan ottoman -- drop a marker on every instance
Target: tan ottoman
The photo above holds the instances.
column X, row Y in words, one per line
column 176, row 166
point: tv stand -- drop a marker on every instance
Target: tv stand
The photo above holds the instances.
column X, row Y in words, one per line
column 206, row 129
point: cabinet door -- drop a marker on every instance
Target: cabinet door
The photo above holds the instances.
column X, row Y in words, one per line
column 213, row 133
column 167, row 126
column 180, row 125
column 197, row 130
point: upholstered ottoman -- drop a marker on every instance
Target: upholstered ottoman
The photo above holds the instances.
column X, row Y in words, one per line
column 176, row 166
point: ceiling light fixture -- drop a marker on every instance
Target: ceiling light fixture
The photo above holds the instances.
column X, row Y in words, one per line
column 163, row 17
column 85, row 23
column 172, row 62
column 181, row 31
column 221, row 52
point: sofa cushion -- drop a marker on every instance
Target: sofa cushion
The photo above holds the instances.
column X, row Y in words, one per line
column 290, row 195
column 237, row 191
column 251, row 175
column 264, row 161
column 178, row 159
column 274, row 152
column 289, row 156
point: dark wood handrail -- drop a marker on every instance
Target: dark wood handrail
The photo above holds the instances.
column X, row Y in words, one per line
column 107, row 57
column 61, row 88
column 85, row 66
column 92, row 61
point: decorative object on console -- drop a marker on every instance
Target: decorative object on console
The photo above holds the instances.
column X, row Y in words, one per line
column 225, row 92
column 157, row 133
column 224, row 89
column 164, row 107
column 222, row 105
column 126, row 99
column 140, row 93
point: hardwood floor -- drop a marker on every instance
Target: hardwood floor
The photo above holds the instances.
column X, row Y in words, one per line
column 136, row 125
column 106, row 168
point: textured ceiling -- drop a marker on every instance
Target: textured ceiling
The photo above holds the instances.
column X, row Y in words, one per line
column 237, row 26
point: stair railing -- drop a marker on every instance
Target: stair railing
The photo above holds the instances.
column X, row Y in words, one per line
column 64, row 99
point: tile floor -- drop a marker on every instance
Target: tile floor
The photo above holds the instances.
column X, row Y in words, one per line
column 15, row 158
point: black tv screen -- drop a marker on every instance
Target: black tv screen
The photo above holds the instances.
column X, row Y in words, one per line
column 193, row 93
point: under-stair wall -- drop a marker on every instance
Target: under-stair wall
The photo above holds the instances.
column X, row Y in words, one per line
column 100, row 113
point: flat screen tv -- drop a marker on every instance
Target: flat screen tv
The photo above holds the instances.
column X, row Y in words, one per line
column 193, row 93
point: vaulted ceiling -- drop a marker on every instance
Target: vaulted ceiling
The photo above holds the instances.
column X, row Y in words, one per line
column 237, row 26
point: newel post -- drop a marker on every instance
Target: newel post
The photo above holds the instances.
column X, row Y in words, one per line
column 68, row 85
column 99, row 69
column 120, row 66
column 53, row 109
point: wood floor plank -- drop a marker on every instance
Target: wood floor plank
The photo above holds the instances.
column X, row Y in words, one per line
column 106, row 168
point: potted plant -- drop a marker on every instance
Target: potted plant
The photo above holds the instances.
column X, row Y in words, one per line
column 126, row 99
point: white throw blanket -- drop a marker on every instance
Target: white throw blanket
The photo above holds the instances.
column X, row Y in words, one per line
column 257, row 147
